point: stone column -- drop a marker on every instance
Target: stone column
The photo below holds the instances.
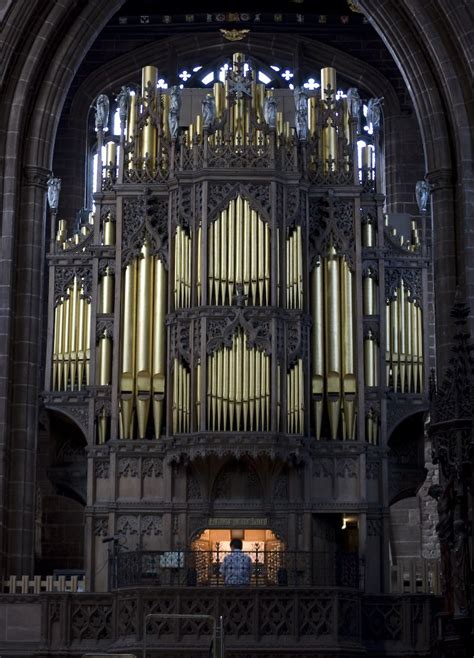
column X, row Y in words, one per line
column 25, row 360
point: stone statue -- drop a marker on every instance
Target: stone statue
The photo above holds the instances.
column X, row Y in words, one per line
column 374, row 113
column 208, row 111
column 54, row 188
column 445, row 530
column 461, row 570
column 175, row 106
column 270, row 111
column 102, row 106
column 354, row 105
column 422, row 194
column 301, row 106
column 123, row 100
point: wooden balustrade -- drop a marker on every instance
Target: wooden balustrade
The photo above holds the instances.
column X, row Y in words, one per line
column 415, row 576
column 38, row 584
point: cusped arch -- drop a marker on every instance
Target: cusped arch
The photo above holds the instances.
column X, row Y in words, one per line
column 237, row 479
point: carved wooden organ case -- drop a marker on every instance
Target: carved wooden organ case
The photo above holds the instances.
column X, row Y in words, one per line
column 238, row 283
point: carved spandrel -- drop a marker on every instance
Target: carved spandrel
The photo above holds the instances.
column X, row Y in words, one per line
column 220, row 195
column 145, row 218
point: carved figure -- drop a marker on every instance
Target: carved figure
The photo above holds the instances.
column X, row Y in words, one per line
column 301, row 105
column 54, row 188
column 374, row 113
column 208, row 111
column 102, row 106
column 354, row 104
column 175, row 106
column 461, row 570
column 123, row 100
column 270, row 111
column 422, row 194
column 445, row 531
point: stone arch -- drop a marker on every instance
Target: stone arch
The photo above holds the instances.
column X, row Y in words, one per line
column 53, row 37
column 406, row 460
column 237, row 479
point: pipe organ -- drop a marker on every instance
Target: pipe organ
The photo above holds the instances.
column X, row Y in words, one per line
column 249, row 289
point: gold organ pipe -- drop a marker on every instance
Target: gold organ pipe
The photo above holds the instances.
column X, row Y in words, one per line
column 313, row 115
column 188, row 270
column 414, row 344
column 66, row 338
column 301, row 395
column 224, row 256
column 245, row 387
column 252, row 357
column 159, row 344
column 402, row 330
column 317, row 345
column 131, row 126
column 110, row 155
column 132, row 117
column 149, row 75
column 349, row 380
column 198, row 395
column 231, row 247
column 143, row 345
column 165, row 99
column 217, row 259
column 261, row 258
column 219, row 387
column 258, row 387
column 238, row 379
column 300, row 267
column 177, row 261
column 210, row 261
column 219, row 95
column 268, row 394
column 175, row 395
column 87, row 332
column 252, row 247
column 409, row 354
column 246, row 249
column 238, row 242
column 81, row 355
column 105, row 360
column 288, row 273
column 419, row 323
column 267, row 262
column 329, row 136
column 128, row 350
column 368, row 235
column 74, row 307
column 394, row 340
column 369, row 360
column 369, row 294
column 213, row 374
column 333, row 338
column 55, row 350
column 388, row 353
column 225, row 387
column 278, row 396
column 199, row 264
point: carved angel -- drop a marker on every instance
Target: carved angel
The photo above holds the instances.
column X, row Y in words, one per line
column 123, row 100
column 301, row 106
column 354, row 104
column 102, row 106
column 374, row 113
column 208, row 111
column 54, row 188
column 270, row 111
column 175, row 106
column 422, row 194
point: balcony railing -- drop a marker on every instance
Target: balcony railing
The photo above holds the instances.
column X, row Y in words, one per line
column 255, row 568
